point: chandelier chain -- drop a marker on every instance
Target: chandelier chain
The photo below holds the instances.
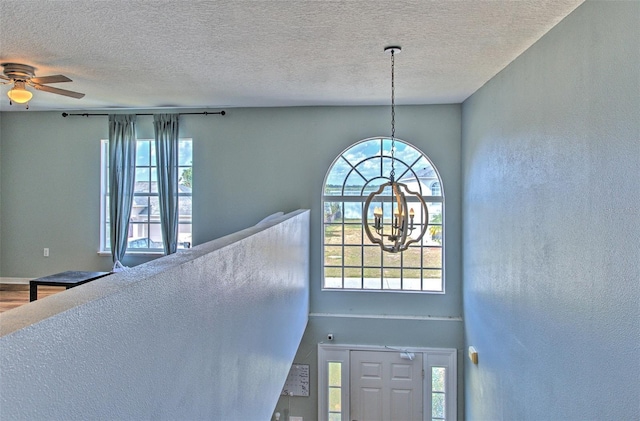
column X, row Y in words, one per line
column 393, row 116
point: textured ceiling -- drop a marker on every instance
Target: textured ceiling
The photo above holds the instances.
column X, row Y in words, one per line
column 234, row 53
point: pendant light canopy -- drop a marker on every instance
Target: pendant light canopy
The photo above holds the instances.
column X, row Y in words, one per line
column 394, row 215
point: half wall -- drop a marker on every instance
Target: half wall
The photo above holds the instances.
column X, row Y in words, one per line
column 207, row 333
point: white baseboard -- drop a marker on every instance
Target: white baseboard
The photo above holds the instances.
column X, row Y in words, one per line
column 10, row 280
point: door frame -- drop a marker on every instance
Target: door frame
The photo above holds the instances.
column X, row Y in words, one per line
column 432, row 357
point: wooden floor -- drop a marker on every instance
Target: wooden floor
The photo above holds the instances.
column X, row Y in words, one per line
column 15, row 295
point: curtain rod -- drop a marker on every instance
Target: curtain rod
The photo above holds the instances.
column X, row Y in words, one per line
column 91, row 115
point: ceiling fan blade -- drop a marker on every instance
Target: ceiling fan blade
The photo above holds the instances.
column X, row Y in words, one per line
column 57, row 91
column 51, row 79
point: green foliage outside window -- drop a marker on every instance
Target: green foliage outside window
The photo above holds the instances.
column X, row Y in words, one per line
column 436, row 230
column 186, row 177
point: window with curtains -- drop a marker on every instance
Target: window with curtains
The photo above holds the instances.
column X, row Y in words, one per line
column 351, row 260
column 144, row 234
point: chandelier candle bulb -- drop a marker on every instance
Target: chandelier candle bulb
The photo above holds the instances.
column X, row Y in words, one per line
column 377, row 213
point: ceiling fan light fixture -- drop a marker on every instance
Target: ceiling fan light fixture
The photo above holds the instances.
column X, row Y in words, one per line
column 19, row 93
column 21, row 75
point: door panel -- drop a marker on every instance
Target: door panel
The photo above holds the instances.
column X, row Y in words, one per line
column 371, row 407
column 401, row 404
column 385, row 386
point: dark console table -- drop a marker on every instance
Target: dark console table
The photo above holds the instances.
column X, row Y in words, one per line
column 68, row 279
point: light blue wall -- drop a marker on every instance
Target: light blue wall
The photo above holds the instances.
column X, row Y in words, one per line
column 247, row 164
column 49, row 179
column 551, row 227
column 0, row 191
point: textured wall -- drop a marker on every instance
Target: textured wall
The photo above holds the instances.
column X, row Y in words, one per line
column 551, row 234
column 207, row 333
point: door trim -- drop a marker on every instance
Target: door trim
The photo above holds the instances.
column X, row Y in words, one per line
column 432, row 357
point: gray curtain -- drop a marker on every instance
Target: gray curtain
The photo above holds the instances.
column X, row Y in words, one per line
column 166, row 131
column 122, row 162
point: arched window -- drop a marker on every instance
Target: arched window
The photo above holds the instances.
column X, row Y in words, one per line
column 351, row 261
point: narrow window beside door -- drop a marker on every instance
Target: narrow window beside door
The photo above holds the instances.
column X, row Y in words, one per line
column 438, row 393
column 334, row 369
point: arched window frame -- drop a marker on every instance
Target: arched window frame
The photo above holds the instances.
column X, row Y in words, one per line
column 350, row 261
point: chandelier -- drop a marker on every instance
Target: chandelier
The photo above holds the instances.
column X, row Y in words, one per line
column 394, row 230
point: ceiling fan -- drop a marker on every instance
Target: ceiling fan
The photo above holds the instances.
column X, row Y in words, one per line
column 22, row 75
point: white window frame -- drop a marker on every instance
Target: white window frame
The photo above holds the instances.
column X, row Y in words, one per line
column 104, row 234
column 345, row 282
column 432, row 357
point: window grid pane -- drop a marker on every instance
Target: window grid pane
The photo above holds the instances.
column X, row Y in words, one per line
column 144, row 223
column 364, row 266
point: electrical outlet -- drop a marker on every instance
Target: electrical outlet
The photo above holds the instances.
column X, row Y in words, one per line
column 46, row 252
column 295, row 419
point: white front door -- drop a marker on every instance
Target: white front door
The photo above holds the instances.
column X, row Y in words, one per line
column 386, row 386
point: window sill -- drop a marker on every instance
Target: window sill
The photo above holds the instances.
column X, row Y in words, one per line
column 134, row 253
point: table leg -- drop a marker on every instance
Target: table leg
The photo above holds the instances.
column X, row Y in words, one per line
column 33, row 291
